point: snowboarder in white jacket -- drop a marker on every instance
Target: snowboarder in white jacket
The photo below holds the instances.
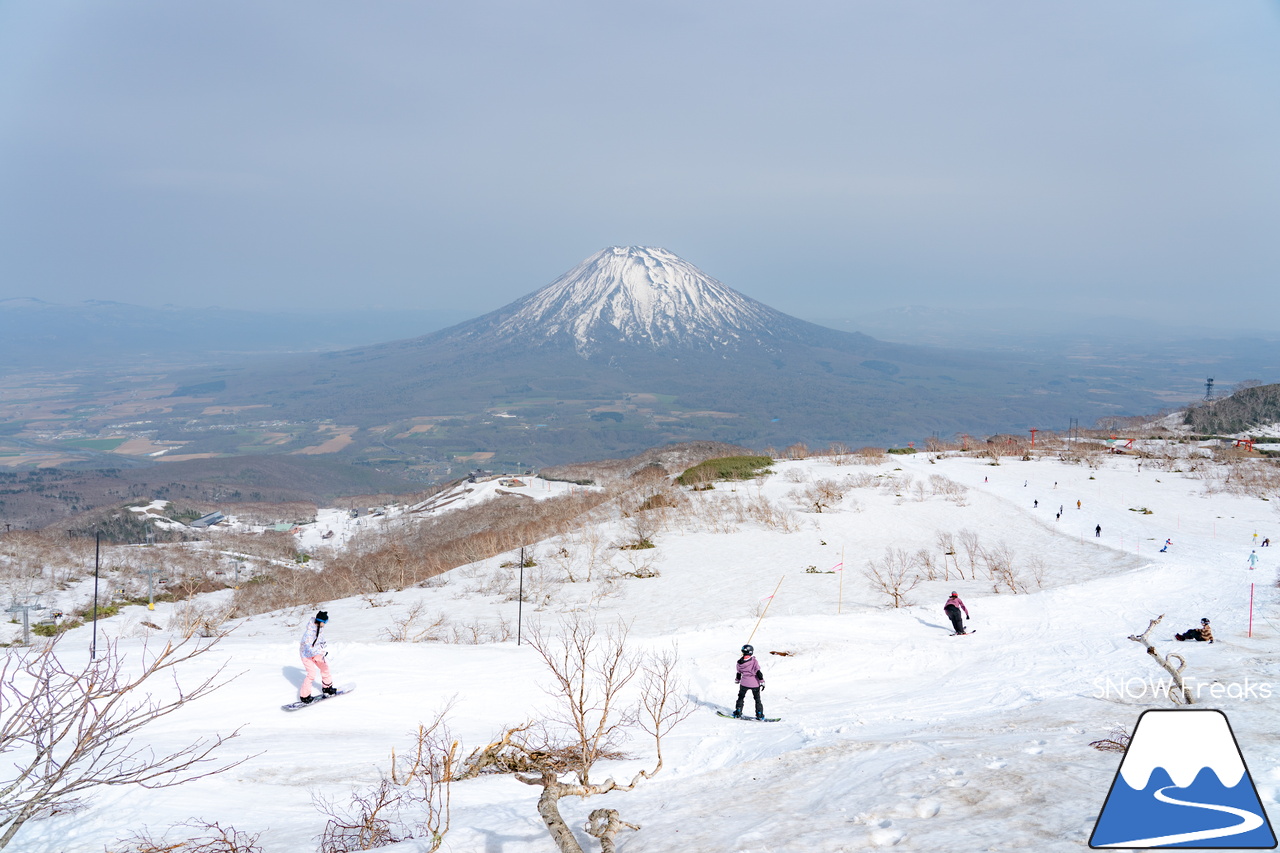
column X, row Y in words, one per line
column 313, row 650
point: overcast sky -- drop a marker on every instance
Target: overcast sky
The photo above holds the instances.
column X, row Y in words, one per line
column 827, row 158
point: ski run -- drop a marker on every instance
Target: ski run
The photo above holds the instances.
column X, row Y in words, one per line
column 892, row 734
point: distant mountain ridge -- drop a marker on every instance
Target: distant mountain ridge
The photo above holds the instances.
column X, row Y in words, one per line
column 97, row 332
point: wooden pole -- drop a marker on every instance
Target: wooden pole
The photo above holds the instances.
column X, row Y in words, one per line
column 766, row 607
column 840, row 599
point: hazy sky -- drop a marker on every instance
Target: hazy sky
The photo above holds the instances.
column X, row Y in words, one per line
column 824, row 157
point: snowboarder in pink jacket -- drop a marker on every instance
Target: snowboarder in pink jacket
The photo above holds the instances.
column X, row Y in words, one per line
column 952, row 608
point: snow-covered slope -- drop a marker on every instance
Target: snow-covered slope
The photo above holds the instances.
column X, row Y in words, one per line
column 894, row 735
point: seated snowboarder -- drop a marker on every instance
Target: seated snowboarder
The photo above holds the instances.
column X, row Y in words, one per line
column 952, row 608
column 1204, row 633
column 749, row 677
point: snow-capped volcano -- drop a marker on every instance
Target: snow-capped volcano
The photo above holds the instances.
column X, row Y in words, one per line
column 640, row 295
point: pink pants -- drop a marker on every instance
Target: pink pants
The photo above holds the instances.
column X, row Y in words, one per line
column 317, row 670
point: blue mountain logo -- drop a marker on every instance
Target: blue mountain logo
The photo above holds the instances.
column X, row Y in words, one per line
column 1183, row 783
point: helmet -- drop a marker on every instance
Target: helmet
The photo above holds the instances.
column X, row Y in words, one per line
column 1204, row 621
column 954, row 594
column 748, row 649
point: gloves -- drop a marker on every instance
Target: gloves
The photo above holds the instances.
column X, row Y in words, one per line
column 738, row 680
column 762, row 686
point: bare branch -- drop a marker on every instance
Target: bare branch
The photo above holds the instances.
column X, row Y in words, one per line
column 590, row 670
column 1180, row 696
column 70, row 729
column 605, row 824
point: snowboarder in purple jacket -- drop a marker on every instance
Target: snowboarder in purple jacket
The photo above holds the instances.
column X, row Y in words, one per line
column 952, row 608
column 749, row 677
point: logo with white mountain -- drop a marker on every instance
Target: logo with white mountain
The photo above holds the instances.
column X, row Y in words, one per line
column 1183, row 783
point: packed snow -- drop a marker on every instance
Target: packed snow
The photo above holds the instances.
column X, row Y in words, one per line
column 894, row 734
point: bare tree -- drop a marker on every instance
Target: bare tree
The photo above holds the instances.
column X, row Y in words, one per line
column 839, row 453
column 591, row 671
column 69, row 729
column 895, row 575
column 947, row 545
column 643, row 527
column 797, row 451
column 1178, row 692
column 972, row 550
column 1002, row 568
column 924, row 560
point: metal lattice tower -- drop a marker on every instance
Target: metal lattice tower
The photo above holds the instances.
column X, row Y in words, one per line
column 1208, row 389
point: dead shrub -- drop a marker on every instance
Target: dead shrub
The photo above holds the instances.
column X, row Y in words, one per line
column 213, row 838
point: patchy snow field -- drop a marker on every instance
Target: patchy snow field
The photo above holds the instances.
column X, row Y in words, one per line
column 894, row 734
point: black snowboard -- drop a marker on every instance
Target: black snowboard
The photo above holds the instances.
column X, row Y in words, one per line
column 317, row 698
column 745, row 717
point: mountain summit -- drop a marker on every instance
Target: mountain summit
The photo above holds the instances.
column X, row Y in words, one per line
column 637, row 296
column 633, row 348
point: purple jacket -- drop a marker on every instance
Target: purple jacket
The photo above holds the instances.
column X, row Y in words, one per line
column 954, row 601
column 749, row 674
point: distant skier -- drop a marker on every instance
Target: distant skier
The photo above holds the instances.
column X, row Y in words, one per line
column 952, row 608
column 1035, row 504
column 1167, row 543
column 1253, row 559
column 749, row 677
column 1097, row 531
column 1078, row 504
column 1266, row 543
column 1204, row 633
column 313, row 649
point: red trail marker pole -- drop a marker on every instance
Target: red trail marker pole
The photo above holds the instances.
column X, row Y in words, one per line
column 1250, row 610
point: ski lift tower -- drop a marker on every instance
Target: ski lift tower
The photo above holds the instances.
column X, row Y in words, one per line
column 1208, row 390
column 25, row 606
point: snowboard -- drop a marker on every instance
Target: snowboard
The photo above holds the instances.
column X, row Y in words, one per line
column 745, row 717
column 318, row 698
